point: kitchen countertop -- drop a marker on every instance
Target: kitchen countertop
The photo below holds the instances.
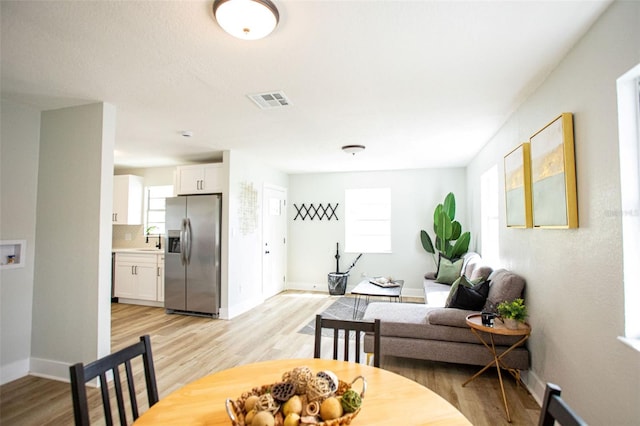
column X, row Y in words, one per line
column 138, row 250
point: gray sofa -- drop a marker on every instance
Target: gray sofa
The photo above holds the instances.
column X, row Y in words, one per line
column 432, row 332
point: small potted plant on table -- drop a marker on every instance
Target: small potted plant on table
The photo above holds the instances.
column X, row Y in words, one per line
column 512, row 313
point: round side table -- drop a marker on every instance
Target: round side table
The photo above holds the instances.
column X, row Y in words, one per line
column 475, row 322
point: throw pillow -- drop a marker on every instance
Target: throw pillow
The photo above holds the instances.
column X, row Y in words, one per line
column 468, row 297
column 449, row 270
column 505, row 285
column 482, row 286
column 462, row 280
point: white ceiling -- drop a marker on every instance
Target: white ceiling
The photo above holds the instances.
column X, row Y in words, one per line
column 420, row 83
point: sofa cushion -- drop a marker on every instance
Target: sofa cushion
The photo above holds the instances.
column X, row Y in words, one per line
column 413, row 313
column 505, row 285
column 449, row 270
column 451, row 317
column 466, row 294
column 435, row 295
column 481, row 271
column 411, row 320
column 471, row 261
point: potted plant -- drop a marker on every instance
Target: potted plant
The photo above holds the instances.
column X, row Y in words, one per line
column 450, row 241
column 512, row 313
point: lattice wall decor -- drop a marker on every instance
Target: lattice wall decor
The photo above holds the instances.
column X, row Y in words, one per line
column 316, row 212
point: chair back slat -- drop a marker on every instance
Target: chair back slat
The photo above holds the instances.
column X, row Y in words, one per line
column 555, row 409
column 358, row 327
column 132, row 389
column 80, row 374
column 119, row 395
column 106, row 403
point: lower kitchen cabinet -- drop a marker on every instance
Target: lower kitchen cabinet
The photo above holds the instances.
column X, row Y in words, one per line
column 139, row 276
column 160, row 275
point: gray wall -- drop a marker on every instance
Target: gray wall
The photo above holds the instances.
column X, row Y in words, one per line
column 20, row 141
column 574, row 277
column 414, row 195
column 71, row 303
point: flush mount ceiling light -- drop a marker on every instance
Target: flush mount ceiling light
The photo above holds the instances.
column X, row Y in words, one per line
column 246, row 19
column 353, row 149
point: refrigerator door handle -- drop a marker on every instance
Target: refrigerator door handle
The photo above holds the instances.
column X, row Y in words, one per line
column 183, row 242
column 188, row 235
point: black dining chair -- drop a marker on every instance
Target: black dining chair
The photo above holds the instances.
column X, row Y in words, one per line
column 358, row 327
column 81, row 374
column 554, row 409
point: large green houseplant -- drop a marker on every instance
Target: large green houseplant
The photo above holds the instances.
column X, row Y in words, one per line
column 450, row 241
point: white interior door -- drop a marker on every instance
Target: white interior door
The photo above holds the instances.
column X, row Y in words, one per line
column 274, row 253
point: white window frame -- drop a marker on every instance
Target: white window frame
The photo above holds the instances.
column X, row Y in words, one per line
column 368, row 220
column 628, row 87
column 166, row 191
column 490, row 216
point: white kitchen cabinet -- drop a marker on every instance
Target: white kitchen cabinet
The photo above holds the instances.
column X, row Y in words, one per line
column 136, row 276
column 127, row 200
column 200, row 179
column 160, row 278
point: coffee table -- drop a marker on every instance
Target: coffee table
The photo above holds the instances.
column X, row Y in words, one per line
column 366, row 289
column 475, row 322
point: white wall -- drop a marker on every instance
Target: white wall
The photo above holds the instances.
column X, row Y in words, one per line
column 71, row 301
column 247, row 177
column 414, row 195
column 574, row 277
column 19, row 147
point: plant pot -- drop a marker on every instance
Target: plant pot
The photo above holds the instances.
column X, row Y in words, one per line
column 510, row 323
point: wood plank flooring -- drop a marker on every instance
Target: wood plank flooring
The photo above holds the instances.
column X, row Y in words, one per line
column 186, row 348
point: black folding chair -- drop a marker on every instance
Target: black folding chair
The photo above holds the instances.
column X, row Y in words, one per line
column 81, row 374
column 346, row 326
column 554, row 409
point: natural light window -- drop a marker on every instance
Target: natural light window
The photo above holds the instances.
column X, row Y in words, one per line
column 155, row 197
column 489, row 216
column 368, row 220
column 629, row 135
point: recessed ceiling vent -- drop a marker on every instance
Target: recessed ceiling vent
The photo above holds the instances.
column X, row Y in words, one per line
column 270, row 100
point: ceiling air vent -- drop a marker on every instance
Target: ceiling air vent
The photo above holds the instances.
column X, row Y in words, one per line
column 270, row 100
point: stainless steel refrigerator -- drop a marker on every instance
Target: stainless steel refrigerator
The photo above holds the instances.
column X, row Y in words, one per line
column 192, row 255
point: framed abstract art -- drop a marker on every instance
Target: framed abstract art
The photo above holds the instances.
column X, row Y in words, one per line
column 517, row 183
column 553, row 175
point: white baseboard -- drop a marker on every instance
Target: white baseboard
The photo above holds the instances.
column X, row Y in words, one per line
column 49, row 369
column 305, row 286
column 534, row 385
column 14, row 370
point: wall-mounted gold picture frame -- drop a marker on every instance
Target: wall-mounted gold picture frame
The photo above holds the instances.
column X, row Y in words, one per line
column 517, row 185
column 553, row 175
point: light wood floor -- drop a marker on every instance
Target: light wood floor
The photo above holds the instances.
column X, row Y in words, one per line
column 186, row 348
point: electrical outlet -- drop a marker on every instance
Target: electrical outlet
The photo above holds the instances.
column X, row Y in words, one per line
column 127, row 237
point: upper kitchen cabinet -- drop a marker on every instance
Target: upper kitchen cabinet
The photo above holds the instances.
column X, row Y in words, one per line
column 127, row 200
column 200, row 179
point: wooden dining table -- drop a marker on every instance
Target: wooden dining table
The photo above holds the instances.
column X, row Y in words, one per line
column 390, row 399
